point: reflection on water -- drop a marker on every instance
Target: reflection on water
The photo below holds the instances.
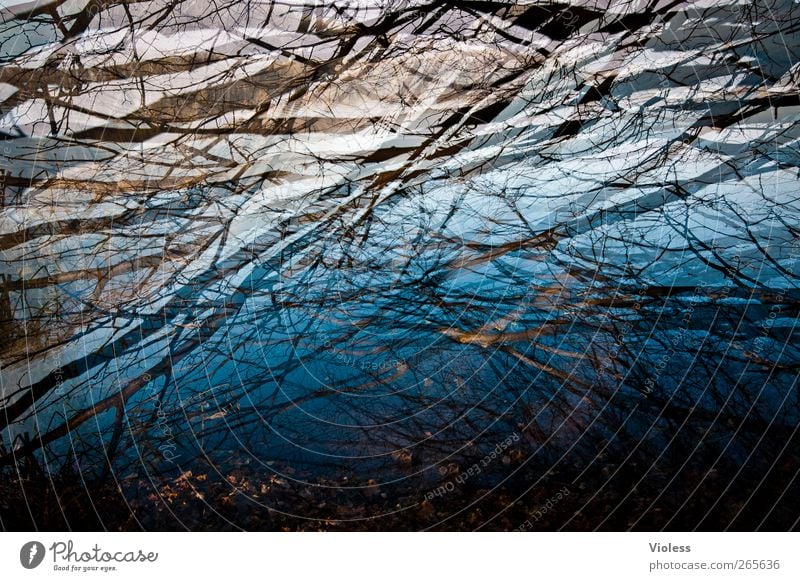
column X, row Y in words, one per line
column 400, row 265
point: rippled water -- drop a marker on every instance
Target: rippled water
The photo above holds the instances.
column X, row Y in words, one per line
column 355, row 247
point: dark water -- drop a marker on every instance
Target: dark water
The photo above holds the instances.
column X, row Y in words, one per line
column 328, row 282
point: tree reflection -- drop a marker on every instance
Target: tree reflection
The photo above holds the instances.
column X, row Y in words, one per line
column 332, row 255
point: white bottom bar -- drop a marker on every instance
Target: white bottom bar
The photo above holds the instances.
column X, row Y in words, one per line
column 401, row 556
